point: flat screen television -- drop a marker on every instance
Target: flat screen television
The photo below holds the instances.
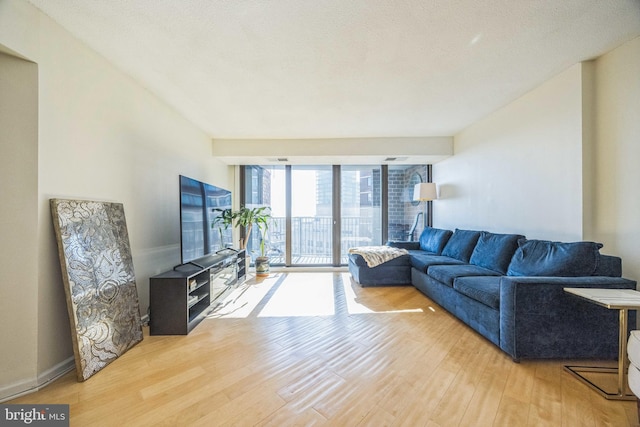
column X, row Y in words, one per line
column 200, row 204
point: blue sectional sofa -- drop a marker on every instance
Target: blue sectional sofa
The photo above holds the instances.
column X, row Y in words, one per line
column 510, row 289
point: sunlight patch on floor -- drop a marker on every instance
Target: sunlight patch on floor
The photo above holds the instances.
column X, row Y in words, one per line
column 296, row 295
column 355, row 307
column 302, row 294
column 243, row 300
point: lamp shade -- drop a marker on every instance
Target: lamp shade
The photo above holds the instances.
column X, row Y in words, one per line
column 425, row 191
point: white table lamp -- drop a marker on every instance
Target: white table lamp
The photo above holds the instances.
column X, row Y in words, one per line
column 425, row 191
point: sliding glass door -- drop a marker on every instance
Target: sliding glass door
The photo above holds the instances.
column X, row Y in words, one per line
column 266, row 186
column 360, row 207
column 311, row 215
column 319, row 211
column 406, row 217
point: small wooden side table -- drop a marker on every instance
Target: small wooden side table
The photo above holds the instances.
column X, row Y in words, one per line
column 622, row 300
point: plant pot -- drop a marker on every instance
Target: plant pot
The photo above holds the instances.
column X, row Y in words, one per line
column 262, row 266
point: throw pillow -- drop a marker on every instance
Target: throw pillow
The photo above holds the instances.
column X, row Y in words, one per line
column 433, row 239
column 545, row 258
column 461, row 244
column 494, row 251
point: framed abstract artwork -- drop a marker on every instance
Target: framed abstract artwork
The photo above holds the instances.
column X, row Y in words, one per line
column 99, row 280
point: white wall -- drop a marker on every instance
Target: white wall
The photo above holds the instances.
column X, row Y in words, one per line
column 333, row 151
column 101, row 136
column 617, row 153
column 519, row 170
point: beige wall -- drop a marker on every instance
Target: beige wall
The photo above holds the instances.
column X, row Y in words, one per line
column 101, row 136
column 617, row 153
column 519, row 169
column 559, row 163
column 18, row 218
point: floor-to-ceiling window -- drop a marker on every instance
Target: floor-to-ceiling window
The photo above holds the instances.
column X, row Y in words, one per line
column 406, row 217
column 319, row 211
column 312, row 215
column 266, row 186
column 360, row 207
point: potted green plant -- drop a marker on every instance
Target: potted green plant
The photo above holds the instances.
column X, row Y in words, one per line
column 260, row 216
column 262, row 262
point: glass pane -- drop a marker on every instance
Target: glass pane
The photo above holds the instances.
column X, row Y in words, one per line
column 265, row 186
column 360, row 208
column 406, row 217
column 311, row 210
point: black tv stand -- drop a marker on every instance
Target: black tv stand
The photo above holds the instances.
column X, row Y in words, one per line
column 188, row 263
column 179, row 299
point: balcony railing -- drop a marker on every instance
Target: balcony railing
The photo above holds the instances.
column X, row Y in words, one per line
column 311, row 241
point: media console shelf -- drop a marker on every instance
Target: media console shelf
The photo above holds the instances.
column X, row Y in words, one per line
column 181, row 298
column 242, row 266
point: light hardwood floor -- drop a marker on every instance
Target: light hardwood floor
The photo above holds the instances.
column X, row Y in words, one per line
column 303, row 349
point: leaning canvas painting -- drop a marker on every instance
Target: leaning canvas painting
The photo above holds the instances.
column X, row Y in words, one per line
column 100, row 287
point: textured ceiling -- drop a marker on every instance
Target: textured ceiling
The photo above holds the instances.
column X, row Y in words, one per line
column 343, row 68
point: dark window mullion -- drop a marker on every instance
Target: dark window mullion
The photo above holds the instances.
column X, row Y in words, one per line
column 384, row 201
column 429, row 207
column 288, row 233
column 336, row 229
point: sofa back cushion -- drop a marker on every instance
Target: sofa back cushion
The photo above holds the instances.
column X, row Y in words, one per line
column 545, row 258
column 461, row 244
column 608, row 265
column 433, row 239
column 494, row 251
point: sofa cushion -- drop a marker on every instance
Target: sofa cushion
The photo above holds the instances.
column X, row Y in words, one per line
column 422, row 260
column 433, row 239
column 403, row 245
column 461, row 244
column 448, row 273
column 402, row 260
column 382, row 275
column 545, row 258
column 494, row 251
column 484, row 289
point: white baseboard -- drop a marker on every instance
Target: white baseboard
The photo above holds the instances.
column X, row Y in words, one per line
column 30, row 386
